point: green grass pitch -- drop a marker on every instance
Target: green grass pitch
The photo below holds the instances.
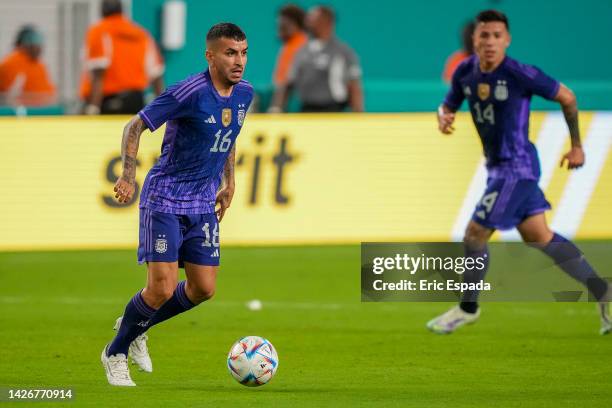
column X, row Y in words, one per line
column 57, row 310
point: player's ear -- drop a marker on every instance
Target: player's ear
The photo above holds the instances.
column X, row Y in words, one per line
column 208, row 54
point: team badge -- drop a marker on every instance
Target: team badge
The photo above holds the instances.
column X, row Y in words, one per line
column 241, row 115
column 161, row 245
column 484, row 90
column 226, row 117
column 501, row 91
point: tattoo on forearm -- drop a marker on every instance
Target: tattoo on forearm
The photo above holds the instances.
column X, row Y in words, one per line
column 571, row 117
column 129, row 146
column 228, row 170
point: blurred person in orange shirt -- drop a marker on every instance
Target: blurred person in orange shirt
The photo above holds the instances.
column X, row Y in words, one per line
column 453, row 61
column 291, row 31
column 24, row 79
column 121, row 60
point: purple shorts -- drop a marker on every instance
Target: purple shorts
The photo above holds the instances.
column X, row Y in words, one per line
column 507, row 202
column 167, row 237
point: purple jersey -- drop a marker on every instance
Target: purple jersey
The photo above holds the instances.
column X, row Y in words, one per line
column 201, row 129
column 499, row 102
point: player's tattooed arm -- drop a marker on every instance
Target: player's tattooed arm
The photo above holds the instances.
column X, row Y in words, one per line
column 228, row 170
column 226, row 193
column 129, row 146
column 125, row 185
column 567, row 100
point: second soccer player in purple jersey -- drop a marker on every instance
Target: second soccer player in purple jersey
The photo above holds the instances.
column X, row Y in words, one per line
column 498, row 90
column 185, row 195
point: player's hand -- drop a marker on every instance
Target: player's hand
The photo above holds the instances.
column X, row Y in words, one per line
column 124, row 190
column 224, row 199
column 445, row 121
column 574, row 158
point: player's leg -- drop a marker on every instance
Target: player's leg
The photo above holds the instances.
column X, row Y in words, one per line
column 159, row 241
column 475, row 246
column 535, row 231
column 201, row 282
column 200, row 253
column 491, row 212
column 130, row 339
column 137, row 317
column 475, row 243
column 199, row 287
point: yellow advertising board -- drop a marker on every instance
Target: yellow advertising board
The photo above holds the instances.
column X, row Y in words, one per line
column 300, row 179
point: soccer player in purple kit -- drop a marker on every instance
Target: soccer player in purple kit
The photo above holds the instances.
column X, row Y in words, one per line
column 184, row 196
column 499, row 90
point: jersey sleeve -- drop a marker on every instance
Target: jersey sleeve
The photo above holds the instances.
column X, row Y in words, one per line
column 454, row 97
column 536, row 82
column 171, row 104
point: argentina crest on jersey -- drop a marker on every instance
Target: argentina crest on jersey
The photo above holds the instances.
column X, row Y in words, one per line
column 226, row 117
column 501, row 90
column 241, row 114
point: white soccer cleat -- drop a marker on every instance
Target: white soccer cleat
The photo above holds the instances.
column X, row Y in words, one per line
column 451, row 320
column 604, row 316
column 117, row 371
column 138, row 351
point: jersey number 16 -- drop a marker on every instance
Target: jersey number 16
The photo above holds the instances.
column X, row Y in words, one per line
column 222, row 143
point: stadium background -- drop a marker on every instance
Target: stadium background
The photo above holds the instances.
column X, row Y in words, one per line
column 67, row 258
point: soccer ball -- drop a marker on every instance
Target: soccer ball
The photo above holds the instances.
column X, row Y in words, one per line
column 252, row 361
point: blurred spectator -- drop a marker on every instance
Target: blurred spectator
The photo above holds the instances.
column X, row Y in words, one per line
column 453, row 61
column 326, row 72
column 291, row 32
column 121, row 61
column 24, row 79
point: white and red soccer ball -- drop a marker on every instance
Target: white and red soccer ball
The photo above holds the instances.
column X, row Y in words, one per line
column 252, row 361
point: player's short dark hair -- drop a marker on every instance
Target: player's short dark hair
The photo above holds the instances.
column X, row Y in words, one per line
column 488, row 16
column 110, row 7
column 294, row 13
column 225, row 30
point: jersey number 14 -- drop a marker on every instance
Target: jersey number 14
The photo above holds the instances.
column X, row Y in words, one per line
column 485, row 114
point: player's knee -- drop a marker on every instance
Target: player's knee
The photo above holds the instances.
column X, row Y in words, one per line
column 475, row 236
column 161, row 290
column 540, row 236
column 202, row 292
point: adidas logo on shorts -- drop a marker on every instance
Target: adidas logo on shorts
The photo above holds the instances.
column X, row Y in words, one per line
column 215, row 254
column 210, row 120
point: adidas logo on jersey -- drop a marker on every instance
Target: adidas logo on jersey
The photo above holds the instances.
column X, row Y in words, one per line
column 144, row 323
column 215, row 254
column 210, row 120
